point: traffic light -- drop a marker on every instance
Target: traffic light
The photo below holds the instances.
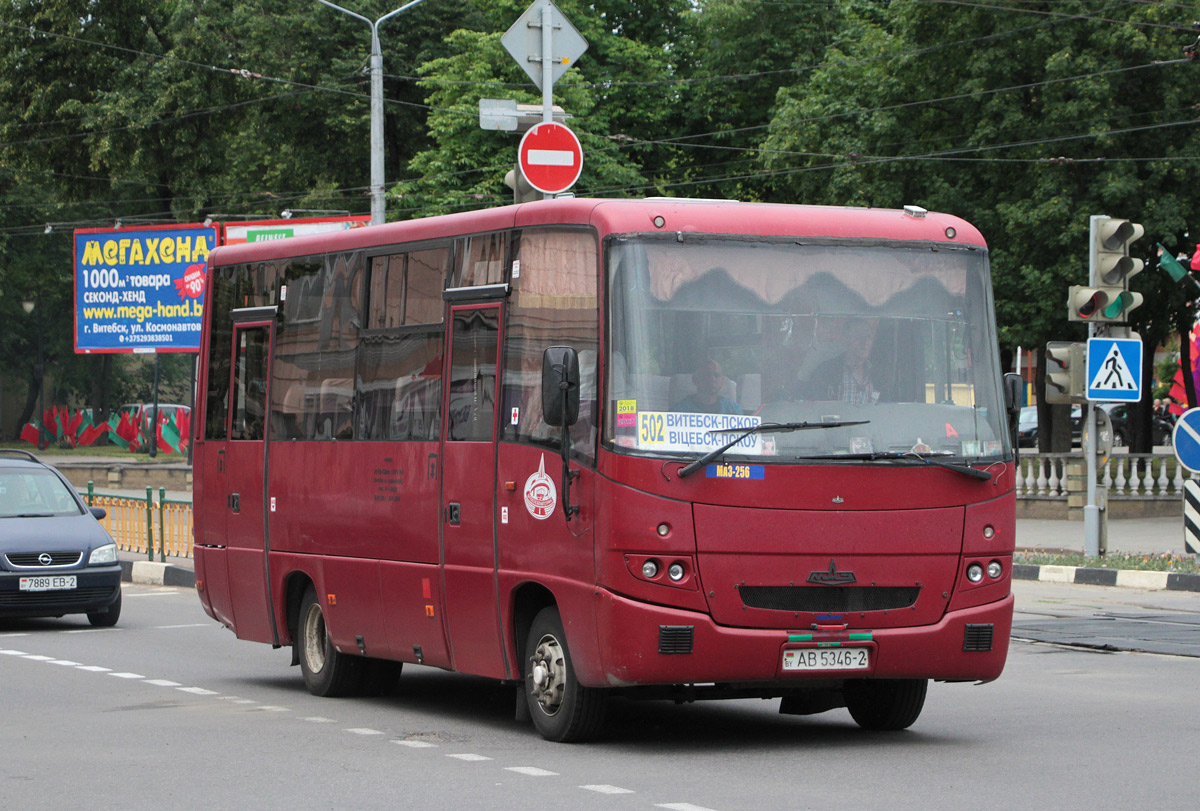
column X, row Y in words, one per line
column 1066, row 364
column 1111, row 269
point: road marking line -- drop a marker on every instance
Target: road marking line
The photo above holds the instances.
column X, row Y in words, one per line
column 273, row 708
column 95, row 669
column 682, row 807
column 469, row 757
column 14, row 652
column 319, row 719
column 21, row 633
column 189, row 625
column 127, row 675
column 63, row 662
column 416, row 744
column 198, row 691
column 37, row 657
column 162, row 683
column 363, row 731
column 531, row 771
column 603, row 789
column 243, row 701
column 94, row 631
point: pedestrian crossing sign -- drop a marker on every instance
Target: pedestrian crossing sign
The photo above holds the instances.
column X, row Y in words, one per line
column 1114, row 370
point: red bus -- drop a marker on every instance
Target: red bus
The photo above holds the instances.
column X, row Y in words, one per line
column 657, row 448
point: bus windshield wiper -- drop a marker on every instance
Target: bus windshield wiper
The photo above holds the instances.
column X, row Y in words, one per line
column 766, row 427
column 929, row 458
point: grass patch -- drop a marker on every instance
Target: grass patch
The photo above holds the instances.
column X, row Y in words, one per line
column 1138, row 561
column 82, row 454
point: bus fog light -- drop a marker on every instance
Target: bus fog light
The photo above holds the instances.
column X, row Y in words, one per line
column 675, row 571
column 974, row 572
column 995, row 569
column 650, row 569
column 989, row 532
column 664, row 529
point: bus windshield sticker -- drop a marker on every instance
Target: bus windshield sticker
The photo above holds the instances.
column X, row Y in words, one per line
column 696, row 433
column 541, row 496
column 626, row 413
column 724, row 470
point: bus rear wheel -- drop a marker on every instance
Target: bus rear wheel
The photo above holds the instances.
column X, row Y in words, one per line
column 885, row 704
column 562, row 709
column 326, row 671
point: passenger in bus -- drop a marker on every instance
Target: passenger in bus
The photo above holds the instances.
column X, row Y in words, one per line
column 848, row 376
column 709, row 379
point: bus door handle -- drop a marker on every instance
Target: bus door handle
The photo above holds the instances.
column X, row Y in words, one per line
column 235, row 502
column 221, row 461
column 454, row 513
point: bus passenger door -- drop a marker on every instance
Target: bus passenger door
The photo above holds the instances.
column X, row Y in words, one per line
column 468, row 490
column 245, row 460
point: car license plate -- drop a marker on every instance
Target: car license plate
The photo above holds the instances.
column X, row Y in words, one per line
column 58, row 582
column 827, row 659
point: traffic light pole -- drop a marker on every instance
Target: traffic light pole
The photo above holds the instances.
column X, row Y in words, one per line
column 1091, row 510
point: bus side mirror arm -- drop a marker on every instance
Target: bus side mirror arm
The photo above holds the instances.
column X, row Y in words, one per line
column 560, row 406
column 1013, row 384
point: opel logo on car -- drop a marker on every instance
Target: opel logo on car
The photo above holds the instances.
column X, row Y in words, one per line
column 45, row 559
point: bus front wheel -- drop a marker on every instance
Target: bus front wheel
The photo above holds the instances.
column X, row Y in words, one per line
column 885, row 704
column 326, row 671
column 562, row 709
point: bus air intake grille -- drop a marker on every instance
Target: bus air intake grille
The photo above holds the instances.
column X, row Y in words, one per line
column 977, row 637
column 829, row 599
column 675, row 639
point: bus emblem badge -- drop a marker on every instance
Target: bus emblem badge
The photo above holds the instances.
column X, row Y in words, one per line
column 832, row 577
column 540, row 493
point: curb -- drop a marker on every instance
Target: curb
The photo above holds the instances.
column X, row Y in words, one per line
column 149, row 573
column 1126, row 578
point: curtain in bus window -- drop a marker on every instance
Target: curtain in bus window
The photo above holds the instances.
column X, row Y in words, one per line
column 400, row 385
column 553, row 303
column 295, row 349
column 220, row 351
column 385, row 296
column 423, row 286
column 250, row 384
column 472, row 383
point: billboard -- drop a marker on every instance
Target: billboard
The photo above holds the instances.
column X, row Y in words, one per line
column 263, row 230
column 140, row 289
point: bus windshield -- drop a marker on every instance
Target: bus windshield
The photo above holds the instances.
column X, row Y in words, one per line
column 712, row 335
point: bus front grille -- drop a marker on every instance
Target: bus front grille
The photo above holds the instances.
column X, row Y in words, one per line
column 829, row 599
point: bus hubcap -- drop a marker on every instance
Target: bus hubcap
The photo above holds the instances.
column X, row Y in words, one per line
column 548, row 674
column 314, row 639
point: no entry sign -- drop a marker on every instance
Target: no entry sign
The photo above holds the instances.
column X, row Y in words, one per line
column 550, row 157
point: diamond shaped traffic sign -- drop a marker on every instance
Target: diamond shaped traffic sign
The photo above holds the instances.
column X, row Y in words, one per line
column 524, row 42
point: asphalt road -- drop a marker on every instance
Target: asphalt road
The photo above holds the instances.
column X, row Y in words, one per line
column 170, row 709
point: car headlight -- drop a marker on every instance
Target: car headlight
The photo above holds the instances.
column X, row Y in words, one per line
column 103, row 554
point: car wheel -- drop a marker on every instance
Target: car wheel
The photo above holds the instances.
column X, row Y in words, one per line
column 562, row 709
column 109, row 616
column 885, row 704
column 327, row 672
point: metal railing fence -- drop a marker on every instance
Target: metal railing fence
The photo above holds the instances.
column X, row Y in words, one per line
column 146, row 525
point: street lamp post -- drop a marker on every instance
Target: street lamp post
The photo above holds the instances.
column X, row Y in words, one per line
column 28, row 305
column 377, row 208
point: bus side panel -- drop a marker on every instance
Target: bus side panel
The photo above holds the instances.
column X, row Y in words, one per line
column 212, row 570
column 353, row 607
column 412, row 614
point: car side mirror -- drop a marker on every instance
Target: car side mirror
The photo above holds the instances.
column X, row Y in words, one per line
column 99, row 513
column 560, row 386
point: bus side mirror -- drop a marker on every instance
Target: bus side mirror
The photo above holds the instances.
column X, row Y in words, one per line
column 560, row 385
column 1012, row 391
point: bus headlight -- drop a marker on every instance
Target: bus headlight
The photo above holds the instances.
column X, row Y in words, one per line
column 995, row 569
column 650, row 569
column 974, row 572
column 675, row 571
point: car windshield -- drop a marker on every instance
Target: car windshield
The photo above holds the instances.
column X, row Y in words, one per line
column 34, row 492
column 718, row 334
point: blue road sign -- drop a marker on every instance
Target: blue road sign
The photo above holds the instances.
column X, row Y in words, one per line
column 1114, row 370
column 1186, row 440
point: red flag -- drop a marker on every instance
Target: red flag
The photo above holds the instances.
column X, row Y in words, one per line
column 93, row 432
column 30, row 433
column 127, row 430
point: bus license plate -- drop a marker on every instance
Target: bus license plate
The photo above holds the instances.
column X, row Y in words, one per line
column 827, row 659
column 61, row 582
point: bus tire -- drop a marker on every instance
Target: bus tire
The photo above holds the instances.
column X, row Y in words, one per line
column 326, row 671
column 563, row 710
column 885, row 704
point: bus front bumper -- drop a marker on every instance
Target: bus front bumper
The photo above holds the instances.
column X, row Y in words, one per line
column 643, row 644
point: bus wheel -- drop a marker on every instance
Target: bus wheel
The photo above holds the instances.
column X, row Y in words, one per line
column 326, row 671
column 885, row 704
column 562, row 709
